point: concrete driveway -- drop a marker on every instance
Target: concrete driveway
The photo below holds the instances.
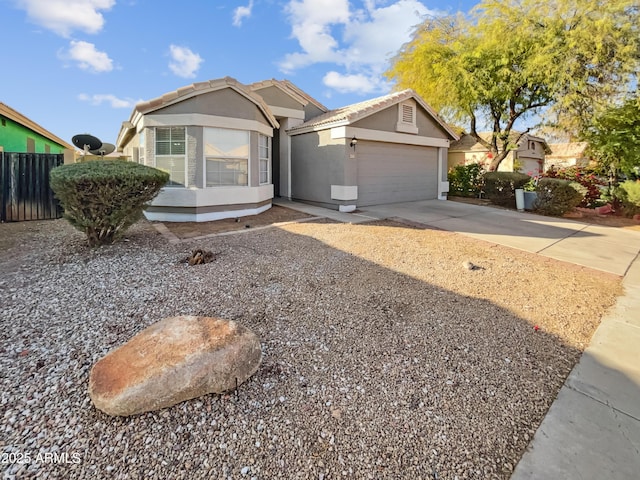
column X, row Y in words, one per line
column 604, row 248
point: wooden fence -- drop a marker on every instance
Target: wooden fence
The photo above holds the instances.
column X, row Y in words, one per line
column 25, row 193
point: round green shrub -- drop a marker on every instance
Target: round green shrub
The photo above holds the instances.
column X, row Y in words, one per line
column 500, row 187
column 556, row 196
column 103, row 198
column 629, row 195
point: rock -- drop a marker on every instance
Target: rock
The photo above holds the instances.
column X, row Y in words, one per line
column 604, row 210
column 470, row 266
column 199, row 257
column 636, row 217
column 174, row 360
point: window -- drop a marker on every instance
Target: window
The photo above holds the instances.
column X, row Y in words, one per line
column 31, row 145
column 171, row 154
column 47, row 148
column 264, row 154
column 407, row 117
column 226, row 157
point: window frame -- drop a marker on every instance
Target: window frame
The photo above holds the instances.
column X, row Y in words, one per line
column 266, row 159
column 141, row 147
column 170, row 155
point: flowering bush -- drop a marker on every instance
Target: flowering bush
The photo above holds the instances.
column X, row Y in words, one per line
column 586, row 178
column 531, row 185
column 466, row 180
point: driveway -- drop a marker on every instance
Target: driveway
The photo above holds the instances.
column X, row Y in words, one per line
column 604, row 248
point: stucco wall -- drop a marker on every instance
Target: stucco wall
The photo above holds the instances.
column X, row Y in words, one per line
column 317, row 162
column 311, row 111
column 224, row 103
column 276, row 97
column 387, row 120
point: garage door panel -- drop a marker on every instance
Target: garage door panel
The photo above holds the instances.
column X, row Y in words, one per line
column 389, row 173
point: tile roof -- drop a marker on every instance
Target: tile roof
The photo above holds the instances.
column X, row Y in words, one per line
column 10, row 113
column 574, row 149
column 357, row 111
column 469, row 142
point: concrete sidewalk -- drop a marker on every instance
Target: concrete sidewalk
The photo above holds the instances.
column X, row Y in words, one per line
column 592, row 430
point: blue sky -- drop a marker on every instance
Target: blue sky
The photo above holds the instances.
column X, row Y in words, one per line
column 77, row 66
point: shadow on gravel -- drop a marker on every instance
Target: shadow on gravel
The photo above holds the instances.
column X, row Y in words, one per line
column 367, row 372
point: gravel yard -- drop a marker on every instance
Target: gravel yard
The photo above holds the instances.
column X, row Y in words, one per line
column 383, row 357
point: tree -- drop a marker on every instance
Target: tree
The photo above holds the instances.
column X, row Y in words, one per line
column 511, row 59
column 614, row 138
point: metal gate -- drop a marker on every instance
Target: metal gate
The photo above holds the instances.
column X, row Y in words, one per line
column 25, row 193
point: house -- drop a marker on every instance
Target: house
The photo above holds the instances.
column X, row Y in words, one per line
column 528, row 156
column 22, row 135
column 567, row 155
column 230, row 148
column 386, row 150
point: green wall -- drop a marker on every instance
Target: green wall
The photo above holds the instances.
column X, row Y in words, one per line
column 13, row 138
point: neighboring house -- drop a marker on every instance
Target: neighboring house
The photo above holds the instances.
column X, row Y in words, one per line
column 230, row 148
column 22, row 135
column 567, row 155
column 528, row 157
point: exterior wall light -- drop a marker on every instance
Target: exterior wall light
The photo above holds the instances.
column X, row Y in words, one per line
column 354, row 142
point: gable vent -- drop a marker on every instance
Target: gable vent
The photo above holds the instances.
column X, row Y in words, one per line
column 407, row 113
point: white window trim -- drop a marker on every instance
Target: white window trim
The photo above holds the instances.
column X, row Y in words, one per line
column 204, row 160
column 407, row 127
column 155, row 155
column 268, row 159
column 142, row 146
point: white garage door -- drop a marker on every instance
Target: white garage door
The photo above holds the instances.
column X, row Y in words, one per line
column 392, row 172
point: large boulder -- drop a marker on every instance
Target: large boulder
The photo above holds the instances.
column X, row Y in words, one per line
column 171, row 361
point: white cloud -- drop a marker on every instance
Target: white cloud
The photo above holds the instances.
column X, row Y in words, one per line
column 354, row 83
column 311, row 22
column 87, row 57
column 185, row 63
column 65, row 16
column 359, row 40
column 241, row 12
column 100, row 98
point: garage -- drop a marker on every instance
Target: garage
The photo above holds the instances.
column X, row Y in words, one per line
column 391, row 173
column 388, row 149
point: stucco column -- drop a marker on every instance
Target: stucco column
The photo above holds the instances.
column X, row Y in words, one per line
column 285, row 155
column 443, row 184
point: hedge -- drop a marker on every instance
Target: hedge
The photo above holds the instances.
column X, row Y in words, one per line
column 500, row 187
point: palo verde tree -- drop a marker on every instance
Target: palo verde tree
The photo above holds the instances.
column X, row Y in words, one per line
column 614, row 138
column 511, row 59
